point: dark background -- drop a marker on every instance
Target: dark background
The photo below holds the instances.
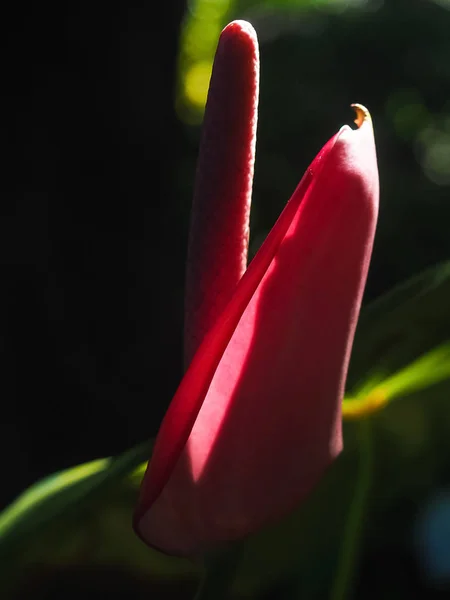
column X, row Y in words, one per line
column 91, row 248
column 96, row 185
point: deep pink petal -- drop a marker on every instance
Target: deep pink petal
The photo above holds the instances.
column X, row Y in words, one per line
column 218, row 241
column 256, row 418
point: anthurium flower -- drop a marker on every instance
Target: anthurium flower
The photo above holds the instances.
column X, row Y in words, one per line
column 257, row 416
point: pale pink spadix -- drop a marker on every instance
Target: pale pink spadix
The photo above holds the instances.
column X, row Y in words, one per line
column 256, row 419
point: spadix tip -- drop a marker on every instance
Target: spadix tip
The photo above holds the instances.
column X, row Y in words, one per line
column 239, row 28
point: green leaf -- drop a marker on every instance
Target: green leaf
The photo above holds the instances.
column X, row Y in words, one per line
column 82, row 517
column 62, row 492
column 402, row 343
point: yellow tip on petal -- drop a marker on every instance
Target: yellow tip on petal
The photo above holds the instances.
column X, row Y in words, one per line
column 362, row 114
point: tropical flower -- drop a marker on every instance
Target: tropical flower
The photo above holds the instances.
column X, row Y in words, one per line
column 257, row 417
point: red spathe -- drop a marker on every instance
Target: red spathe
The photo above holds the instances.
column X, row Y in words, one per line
column 257, row 417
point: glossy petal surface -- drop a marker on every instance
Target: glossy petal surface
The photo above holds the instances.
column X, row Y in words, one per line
column 256, row 419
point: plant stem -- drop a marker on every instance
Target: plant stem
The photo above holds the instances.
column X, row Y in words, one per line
column 220, row 568
column 348, row 555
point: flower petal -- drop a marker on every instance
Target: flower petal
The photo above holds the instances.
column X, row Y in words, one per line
column 256, row 418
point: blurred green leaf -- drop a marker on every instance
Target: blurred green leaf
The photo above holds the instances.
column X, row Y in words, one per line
column 62, row 492
column 402, row 343
column 82, row 517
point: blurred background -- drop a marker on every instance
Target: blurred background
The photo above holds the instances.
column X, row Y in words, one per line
column 101, row 125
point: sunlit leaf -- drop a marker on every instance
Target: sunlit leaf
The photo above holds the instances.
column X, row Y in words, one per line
column 402, row 343
column 61, row 492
